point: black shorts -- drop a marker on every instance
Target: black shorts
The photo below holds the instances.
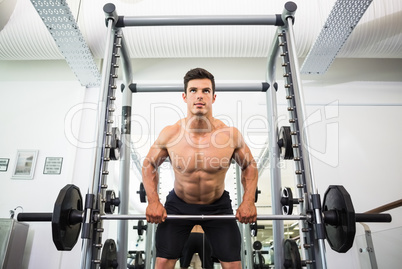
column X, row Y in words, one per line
column 197, row 243
column 224, row 235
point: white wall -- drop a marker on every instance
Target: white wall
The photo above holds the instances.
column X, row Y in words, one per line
column 35, row 99
column 354, row 149
column 360, row 150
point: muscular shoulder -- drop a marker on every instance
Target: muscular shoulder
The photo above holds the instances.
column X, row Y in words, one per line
column 218, row 124
column 168, row 134
column 238, row 140
column 232, row 132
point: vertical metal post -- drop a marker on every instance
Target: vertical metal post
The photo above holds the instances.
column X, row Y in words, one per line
column 86, row 258
column 304, row 139
column 274, row 154
column 106, row 70
column 150, row 250
column 122, row 226
column 263, row 159
column 244, row 228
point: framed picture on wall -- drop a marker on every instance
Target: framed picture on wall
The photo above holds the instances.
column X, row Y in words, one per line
column 25, row 162
column 4, row 164
column 53, row 165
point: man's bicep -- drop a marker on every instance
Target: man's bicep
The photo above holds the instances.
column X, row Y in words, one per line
column 156, row 156
column 158, row 151
column 242, row 153
column 243, row 156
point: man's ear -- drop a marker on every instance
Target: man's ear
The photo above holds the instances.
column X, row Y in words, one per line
column 184, row 96
column 213, row 99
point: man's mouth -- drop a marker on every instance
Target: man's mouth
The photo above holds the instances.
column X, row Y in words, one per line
column 199, row 104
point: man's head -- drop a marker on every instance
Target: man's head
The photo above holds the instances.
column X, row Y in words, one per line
column 198, row 73
column 199, row 92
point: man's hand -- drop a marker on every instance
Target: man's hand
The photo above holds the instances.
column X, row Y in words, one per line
column 155, row 213
column 247, row 212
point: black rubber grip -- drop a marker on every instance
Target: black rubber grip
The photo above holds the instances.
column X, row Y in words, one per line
column 265, row 86
column 373, row 217
column 133, row 87
column 34, row 217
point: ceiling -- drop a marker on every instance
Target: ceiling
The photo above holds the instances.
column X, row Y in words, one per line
column 23, row 35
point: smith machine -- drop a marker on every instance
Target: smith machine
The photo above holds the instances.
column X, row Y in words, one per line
column 333, row 220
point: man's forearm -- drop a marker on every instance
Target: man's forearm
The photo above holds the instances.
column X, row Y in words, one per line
column 150, row 178
column 249, row 179
column 249, row 190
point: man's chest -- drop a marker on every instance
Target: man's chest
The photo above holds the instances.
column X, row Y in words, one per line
column 201, row 154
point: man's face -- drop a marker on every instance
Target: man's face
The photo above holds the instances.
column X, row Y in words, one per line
column 199, row 97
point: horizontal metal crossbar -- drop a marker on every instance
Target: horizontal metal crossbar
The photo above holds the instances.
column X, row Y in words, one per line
column 219, row 87
column 199, row 20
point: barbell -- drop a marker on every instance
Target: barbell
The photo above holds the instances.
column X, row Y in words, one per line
column 338, row 215
column 78, row 215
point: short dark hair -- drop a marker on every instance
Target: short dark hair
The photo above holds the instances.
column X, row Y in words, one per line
column 198, row 73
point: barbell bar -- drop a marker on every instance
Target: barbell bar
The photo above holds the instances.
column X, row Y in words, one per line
column 78, row 216
column 338, row 215
column 200, row 217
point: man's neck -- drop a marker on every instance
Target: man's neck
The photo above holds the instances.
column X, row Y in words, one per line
column 199, row 124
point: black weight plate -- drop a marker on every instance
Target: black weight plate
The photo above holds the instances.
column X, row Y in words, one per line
column 257, row 245
column 287, row 201
column 115, row 144
column 292, row 254
column 65, row 233
column 109, row 206
column 286, row 148
column 109, row 255
column 340, row 235
column 142, row 193
column 257, row 192
column 141, row 227
column 253, row 229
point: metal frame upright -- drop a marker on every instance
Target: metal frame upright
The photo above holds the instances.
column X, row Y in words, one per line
column 94, row 201
column 313, row 234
